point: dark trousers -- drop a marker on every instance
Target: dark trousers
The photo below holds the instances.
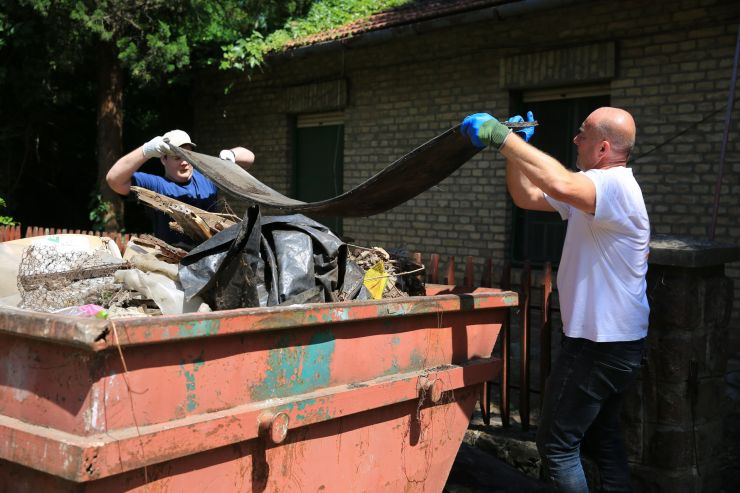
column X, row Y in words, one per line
column 581, row 407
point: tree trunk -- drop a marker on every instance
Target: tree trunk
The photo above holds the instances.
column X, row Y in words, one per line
column 109, row 129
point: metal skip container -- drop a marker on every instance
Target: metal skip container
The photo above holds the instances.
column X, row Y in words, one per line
column 356, row 396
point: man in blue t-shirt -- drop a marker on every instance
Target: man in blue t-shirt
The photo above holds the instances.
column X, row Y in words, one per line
column 180, row 180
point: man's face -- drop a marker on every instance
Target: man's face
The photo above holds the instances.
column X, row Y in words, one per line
column 176, row 169
column 589, row 145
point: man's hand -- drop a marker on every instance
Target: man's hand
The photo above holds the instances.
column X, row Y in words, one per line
column 482, row 129
column 527, row 132
column 228, row 155
column 156, row 147
column 471, row 126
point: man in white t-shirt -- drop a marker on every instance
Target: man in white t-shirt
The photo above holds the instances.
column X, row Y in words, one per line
column 601, row 284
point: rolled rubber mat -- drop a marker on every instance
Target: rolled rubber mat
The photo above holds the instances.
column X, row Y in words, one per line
column 397, row 183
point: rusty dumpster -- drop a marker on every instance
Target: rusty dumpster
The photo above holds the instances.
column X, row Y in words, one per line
column 356, row 396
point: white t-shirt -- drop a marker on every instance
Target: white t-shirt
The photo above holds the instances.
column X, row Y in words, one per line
column 601, row 279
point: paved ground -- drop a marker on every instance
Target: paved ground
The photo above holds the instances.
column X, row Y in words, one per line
column 476, row 471
column 495, row 459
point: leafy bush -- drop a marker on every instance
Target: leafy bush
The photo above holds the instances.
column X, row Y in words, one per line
column 99, row 212
column 6, row 220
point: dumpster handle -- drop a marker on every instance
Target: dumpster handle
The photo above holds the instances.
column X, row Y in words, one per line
column 273, row 426
column 431, row 387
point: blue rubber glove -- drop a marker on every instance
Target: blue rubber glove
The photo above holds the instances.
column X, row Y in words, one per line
column 471, row 125
column 524, row 133
column 482, row 129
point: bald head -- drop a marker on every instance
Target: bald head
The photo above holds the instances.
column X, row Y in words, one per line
column 617, row 127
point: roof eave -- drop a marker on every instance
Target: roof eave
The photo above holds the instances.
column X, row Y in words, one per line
column 495, row 13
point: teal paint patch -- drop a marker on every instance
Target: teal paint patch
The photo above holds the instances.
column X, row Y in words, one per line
column 293, row 369
column 307, row 409
column 341, row 314
column 394, row 368
column 308, row 402
column 199, row 329
column 395, row 341
column 287, row 407
column 191, row 401
column 320, row 414
column 417, row 360
column 397, row 309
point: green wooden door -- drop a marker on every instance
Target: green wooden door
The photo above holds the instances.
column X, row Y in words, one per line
column 319, row 164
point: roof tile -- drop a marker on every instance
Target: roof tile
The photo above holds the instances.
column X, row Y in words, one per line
column 418, row 11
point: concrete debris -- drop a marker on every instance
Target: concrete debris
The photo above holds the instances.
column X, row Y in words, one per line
column 50, row 278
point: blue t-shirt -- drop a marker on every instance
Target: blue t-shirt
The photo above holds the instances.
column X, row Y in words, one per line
column 199, row 191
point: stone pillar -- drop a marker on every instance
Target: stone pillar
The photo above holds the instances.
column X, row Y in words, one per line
column 673, row 418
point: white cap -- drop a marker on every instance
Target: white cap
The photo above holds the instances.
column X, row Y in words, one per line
column 178, row 138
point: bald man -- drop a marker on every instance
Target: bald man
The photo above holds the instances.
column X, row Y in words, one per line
column 601, row 285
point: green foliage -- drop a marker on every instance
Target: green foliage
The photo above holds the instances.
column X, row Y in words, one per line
column 100, row 211
column 323, row 15
column 54, row 59
column 6, row 220
column 154, row 38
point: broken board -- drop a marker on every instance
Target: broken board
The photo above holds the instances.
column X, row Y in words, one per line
column 397, row 183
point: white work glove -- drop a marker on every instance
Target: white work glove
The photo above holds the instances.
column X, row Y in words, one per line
column 228, row 155
column 156, row 147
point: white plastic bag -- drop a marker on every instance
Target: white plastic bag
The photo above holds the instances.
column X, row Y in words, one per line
column 165, row 292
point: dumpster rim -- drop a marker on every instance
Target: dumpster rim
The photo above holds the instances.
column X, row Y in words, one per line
column 100, row 335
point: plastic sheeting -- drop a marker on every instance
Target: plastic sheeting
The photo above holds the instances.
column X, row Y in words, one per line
column 165, row 292
column 398, row 182
column 265, row 262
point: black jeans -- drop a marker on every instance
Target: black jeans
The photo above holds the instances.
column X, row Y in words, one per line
column 581, row 405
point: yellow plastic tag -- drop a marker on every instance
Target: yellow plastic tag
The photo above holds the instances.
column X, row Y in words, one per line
column 375, row 280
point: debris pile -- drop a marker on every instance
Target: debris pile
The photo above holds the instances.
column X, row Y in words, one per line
column 253, row 262
column 51, row 278
column 187, row 219
column 376, row 273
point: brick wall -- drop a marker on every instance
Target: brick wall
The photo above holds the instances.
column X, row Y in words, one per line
column 671, row 66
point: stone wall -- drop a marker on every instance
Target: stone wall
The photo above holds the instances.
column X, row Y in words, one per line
column 668, row 62
column 674, row 418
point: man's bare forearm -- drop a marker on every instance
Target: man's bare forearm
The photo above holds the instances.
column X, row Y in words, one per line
column 119, row 175
column 244, row 157
column 549, row 175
